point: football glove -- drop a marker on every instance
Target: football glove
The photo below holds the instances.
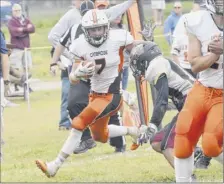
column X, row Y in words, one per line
column 149, row 132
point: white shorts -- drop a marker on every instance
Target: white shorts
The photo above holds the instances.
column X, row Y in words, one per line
column 158, row 4
column 17, row 59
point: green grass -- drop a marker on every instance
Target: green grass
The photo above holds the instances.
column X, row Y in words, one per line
column 33, row 134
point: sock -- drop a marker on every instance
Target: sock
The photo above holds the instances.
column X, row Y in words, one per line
column 184, row 168
column 219, row 158
column 116, row 131
column 69, row 146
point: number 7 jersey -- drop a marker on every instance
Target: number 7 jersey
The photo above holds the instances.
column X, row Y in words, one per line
column 107, row 57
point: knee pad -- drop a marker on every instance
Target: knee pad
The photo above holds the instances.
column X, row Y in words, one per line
column 182, row 146
column 100, row 138
column 210, row 145
column 78, row 124
column 84, row 119
column 184, row 122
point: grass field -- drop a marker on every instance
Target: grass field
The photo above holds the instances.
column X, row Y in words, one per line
column 34, row 134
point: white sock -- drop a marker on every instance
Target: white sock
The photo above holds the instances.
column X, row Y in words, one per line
column 69, row 146
column 219, row 158
column 116, row 131
column 184, row 168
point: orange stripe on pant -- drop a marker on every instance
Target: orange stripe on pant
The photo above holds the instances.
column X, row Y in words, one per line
column 97, row 114
column 202, row 114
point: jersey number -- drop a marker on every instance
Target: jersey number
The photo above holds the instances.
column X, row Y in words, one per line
column 101, row 62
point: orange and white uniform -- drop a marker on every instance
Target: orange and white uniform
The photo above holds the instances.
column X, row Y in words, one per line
column 202, row 113
column 180, row 43
column 105, row 98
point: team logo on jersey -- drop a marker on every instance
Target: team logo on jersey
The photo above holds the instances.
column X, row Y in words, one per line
column 99, row 53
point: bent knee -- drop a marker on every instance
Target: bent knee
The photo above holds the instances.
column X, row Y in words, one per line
column 78, row 124
column 210, row 145
column 182, row 147
column 156, row 146
column 102, row 139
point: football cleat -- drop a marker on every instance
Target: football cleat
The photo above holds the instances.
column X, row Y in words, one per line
column 49, row 169
column 134, row 146
column 84, row 146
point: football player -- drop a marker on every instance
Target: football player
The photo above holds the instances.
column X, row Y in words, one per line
column 202, row 114
column 98, row 49
column 78, row 94
column 170, row 81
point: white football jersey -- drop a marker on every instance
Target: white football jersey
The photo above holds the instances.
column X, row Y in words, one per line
column 106, row 57
column 178, row 86
column 202, row 25
column 180, row 44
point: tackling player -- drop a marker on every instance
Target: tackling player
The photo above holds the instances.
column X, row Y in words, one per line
column 202, row 113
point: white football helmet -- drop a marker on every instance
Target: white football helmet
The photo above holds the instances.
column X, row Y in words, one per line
column 92, row 21
column 215, row 6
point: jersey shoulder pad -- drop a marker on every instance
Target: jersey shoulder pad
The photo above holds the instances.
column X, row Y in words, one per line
column 157, row 67
column 193, row 20
column 121, row 36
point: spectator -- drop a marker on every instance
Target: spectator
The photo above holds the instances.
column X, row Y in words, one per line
column 4, row 79
column 13, row 74
column 20, row 29
column 158, row 7
column 171, row 21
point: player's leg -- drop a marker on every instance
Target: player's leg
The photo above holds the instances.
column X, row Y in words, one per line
column 156, row 140
column 167, row 143
column 189, row 127
column 86, row 140
column 118, row 142
column 96, row 107
column 200, row 160
column 77, row 101
column 212, row 138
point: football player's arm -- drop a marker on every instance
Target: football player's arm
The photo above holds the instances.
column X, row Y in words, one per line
column 161, row 84
column 117, row 10
column 197, row 61
column 72, row 76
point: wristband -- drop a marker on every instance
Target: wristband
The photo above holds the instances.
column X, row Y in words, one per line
column 53, row 64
